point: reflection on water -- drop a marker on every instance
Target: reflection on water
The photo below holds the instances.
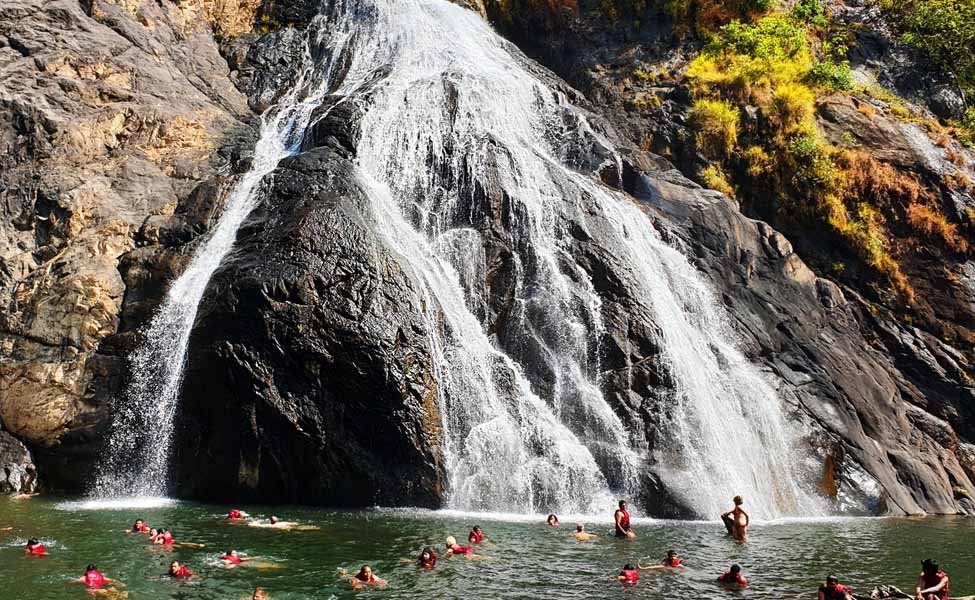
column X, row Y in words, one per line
column 784, row 560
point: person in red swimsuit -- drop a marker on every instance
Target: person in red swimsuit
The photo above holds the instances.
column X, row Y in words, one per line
column 453, row 548
column 428, row 559
column 933, row 583
column 139, row 527
column 628, row 575
column 93, row 579
column 832, row 590
column 671, row 562
column 365, row 576
column 179, row 571
column 231, row 558
column 622, row 520
column 476, row 536
column 236, row 514
column 733, row 577
column 35, row 548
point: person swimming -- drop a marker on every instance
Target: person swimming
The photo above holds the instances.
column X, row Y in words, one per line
column 179, row 571
column 139, row 527
column 476, row 536
column 736, row 520
column 733, row 577
column 933, row 584
column 832, row 590
column 582, row 535
column 552, row 520
column 365, row 576
column 276, row 523
column 621, row 519
column 453, row 548
column 165, row 538
column 231, row 557
column 35, row 548
column 259, row 594
column 236, row 514
column 672, row 561
column 628, row 575
column 93, row 578
column 154, row 535
column 428, row 558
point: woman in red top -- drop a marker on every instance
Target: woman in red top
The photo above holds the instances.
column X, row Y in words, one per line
column 933, row 583
column 93, row 579
column 733, row 577
column 428, row 558
column 454, row 548
column 140, row 527
column 628, row 575
column 476, row 536
column 231, row 557
column 35, row 548
column 365, row 576
column 832, row 590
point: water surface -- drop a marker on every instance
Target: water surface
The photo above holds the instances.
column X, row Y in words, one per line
column 784, row 559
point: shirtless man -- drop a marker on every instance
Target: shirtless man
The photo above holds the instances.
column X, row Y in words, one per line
column 582, row 535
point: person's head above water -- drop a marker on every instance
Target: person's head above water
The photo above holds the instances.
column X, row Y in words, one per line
column 552, row 519
column 832, row 581
column 174, row 567
column 32, row 542
column 451, row 540
column 628, row 567
column 929, row 565
column 671, row 554
column 737, row 500
column 274, row 519
column 476, row 529
column 580, row 527
column 231, row 553
column 365, row 573
column 259, row 594
column 735, row 569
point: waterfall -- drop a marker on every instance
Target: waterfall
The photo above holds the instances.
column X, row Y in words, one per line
column 453, row 113
column 137, row 455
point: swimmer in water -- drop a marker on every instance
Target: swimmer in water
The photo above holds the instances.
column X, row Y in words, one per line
column 179, row 571
column 733, row 577
column 671, row 562
column 260, row 594
column 628, row 575
column 165, row 538
column 231, row 558
column 35, row 548
column 428, row 559
column 455, row 549
column 476, row 536
column 737, row 520
column 139, row 527
column 365, row 577
column 621, row 519
column 236, row 515
column 832, row 590
column 93, row 578
column 583, row 536
column 276, row 523
column 552, row 521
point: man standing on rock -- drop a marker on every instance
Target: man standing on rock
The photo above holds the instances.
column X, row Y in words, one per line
column 622, row 519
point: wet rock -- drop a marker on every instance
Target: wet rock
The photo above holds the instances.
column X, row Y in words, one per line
column 18, row 475
column 310, row 376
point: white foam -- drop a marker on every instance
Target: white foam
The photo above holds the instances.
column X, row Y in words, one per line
column 136, row 502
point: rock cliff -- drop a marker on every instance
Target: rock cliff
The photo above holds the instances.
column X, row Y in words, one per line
column 310, row 379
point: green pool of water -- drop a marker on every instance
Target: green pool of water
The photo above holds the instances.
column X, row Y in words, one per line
column 783, row 559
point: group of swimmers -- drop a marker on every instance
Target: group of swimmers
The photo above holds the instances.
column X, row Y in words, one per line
column 932, row 584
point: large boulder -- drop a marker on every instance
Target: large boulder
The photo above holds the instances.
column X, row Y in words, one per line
column 310, row 378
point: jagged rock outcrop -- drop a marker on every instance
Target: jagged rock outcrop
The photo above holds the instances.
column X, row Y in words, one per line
column 18, row 475
column 110, row 113
column 310, row 375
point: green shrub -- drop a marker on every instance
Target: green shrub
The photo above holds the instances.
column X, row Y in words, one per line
column 810, row 11
column 944, row 29
column 833, row 75
column 716, row 124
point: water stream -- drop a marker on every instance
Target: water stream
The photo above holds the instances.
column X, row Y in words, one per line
column 526, row 427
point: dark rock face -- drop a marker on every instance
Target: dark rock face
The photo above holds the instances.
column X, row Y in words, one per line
column 310, row 379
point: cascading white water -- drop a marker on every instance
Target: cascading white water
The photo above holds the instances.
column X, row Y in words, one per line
column 139, row 442
column 454, row 104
